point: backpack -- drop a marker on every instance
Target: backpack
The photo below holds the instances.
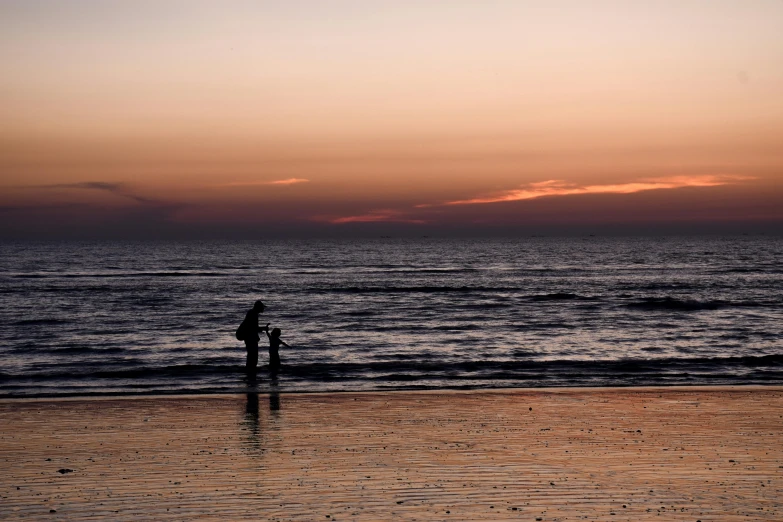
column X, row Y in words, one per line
column 241, row 332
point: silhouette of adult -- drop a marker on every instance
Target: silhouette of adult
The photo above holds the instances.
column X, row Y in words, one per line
column 250, row 330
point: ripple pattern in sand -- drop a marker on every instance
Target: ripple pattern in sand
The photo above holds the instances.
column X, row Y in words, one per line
column 663, row 454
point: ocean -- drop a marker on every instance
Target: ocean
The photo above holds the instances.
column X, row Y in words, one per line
column 108, row 318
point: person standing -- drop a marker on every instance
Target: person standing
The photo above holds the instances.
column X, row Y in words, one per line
column 274, row 349
column 249, row 334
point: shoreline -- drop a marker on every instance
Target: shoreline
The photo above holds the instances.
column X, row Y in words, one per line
column 555, row 454
column 293, row 392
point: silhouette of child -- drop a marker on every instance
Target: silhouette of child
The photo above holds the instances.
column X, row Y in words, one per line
column 274, row 346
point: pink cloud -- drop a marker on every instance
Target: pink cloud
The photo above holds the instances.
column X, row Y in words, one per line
column 289, row 181
column 554, row 187
column 376, row 216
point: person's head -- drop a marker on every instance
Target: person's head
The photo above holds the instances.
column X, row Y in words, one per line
column 258, row 306
column 275, row 332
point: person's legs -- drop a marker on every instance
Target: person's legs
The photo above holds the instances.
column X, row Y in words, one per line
column 274, row 360
column 252, row 354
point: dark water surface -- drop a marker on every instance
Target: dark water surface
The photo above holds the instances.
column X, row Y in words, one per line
column 159, row 317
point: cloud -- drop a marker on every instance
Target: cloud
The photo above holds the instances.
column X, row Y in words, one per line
column 377, row 216
column 90, row 185
column 119, row 189
column 554, row 187
column 548, row 188
column 289, row 181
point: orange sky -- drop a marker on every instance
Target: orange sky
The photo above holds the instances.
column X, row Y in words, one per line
column 328, row 114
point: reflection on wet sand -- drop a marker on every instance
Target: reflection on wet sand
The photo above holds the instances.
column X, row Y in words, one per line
column 274, row 396
column 620, row 454
column 253, row 419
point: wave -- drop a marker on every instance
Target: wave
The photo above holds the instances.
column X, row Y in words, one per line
column 413, row 289
column 671, row 303
column 418, row 367
column 693, row 305
column 640, row 303
column 557, row 296
column 78, row 350
column 386, row 270
column 105, row 275
column 39, row 322
column 757, row 269
column 398, row 373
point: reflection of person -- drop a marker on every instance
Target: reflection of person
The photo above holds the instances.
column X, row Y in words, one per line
column 274, row 402
column 251, row 421
column 251, row 407
column 274, row 346
column 250, row 329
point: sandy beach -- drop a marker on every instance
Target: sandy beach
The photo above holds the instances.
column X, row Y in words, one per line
column 556, row 454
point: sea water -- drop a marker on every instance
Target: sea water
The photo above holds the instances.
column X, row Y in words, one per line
column 86, row 318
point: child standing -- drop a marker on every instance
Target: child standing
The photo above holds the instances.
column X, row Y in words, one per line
column 274, row 347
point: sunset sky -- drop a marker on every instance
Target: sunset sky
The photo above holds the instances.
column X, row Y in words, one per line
column 254, row 118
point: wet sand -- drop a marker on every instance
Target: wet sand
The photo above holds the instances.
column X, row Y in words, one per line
column 568, row 454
